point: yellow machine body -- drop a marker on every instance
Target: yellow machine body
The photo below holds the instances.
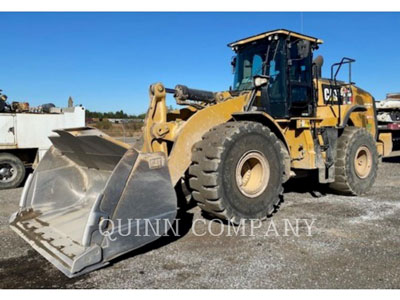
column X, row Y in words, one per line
column 175, row 133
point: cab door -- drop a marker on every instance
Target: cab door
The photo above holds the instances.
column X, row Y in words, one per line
column 300, row 81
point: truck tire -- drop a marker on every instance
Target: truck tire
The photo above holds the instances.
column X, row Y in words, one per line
column 356, row 163
column 237, row 171
column 12, row 171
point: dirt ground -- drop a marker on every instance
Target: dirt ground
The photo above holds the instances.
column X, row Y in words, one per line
column 354, row 243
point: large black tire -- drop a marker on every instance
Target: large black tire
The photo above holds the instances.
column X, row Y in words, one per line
column 12, row 171
column 218, row 160
column 356, row 163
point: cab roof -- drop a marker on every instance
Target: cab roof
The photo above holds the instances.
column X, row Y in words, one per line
column 273, row 32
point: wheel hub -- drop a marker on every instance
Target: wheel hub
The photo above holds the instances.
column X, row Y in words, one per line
column 252, row 174
column 7, row 172
column 363, row 162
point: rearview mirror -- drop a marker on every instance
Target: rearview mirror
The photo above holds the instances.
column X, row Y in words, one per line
column 303, row 48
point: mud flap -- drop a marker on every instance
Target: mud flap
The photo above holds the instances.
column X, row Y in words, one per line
column 91, row 200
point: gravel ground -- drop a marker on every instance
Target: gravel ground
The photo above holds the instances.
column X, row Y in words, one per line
column 354, row 243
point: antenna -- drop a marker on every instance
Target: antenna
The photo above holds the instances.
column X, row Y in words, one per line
column 301, row 22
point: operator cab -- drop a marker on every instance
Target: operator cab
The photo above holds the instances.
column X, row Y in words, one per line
column 284, row 59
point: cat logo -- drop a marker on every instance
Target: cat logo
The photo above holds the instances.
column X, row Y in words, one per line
column 330, row 93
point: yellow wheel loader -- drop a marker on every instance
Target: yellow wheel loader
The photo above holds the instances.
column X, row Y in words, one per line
column 93, row 198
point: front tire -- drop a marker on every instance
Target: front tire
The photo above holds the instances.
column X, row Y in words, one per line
column 12, row 171
column 237, row 172
column 357, row 162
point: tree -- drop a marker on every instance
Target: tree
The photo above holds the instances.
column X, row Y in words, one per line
column 113, row 115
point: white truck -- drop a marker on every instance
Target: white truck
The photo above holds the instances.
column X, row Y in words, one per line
column 24, row 139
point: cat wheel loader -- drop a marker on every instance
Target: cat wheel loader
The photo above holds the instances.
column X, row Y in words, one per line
column 232, row 150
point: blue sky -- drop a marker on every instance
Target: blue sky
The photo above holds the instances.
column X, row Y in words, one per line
column 106, row 61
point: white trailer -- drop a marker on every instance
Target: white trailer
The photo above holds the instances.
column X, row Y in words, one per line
column 388, row 115
column 24, row 139
column 389, row 109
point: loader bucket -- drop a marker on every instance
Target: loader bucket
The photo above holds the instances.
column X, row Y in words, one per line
column 91, row 199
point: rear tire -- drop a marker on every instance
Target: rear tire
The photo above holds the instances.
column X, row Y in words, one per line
column 12, row 171
column 357, row 162
column 237, row 172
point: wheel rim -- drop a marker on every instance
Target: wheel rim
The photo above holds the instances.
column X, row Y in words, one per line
column 252, row 174
column 363, row 162
column 7, row 172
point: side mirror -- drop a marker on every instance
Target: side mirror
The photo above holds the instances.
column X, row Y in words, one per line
column 260, row 81
column 233, row 64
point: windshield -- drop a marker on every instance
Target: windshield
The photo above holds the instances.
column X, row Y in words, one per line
column 252, row 61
